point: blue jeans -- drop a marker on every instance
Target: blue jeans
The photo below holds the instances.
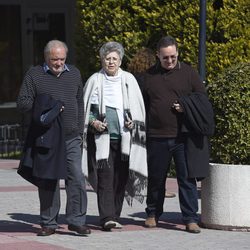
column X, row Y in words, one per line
column 75, row 186
column 160, row 153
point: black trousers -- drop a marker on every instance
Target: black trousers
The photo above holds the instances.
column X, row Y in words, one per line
column 111, row 184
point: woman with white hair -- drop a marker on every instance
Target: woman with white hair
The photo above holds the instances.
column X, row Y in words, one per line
column 114, row 153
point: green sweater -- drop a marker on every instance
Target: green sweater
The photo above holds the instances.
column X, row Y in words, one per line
column 111, row 119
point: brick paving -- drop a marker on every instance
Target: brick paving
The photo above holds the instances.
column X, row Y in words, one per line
column 19, row 223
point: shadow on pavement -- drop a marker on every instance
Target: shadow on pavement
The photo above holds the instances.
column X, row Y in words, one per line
column 27, row 218
column 16, row 226
column 30, row 223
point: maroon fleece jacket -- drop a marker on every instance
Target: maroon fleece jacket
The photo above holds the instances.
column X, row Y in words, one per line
column 160, row 89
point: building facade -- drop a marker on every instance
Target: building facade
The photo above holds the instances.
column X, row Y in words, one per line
column 26, row 26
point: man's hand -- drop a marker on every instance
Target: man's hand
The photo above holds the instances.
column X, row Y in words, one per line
column 62, row 108
column 176, row 106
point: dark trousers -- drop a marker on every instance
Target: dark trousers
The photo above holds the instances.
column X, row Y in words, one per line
column 76, row 205
column 111, row 184
column 160, row 153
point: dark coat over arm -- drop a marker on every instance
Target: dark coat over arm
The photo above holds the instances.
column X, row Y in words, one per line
column 44, row 155
column 198, row 124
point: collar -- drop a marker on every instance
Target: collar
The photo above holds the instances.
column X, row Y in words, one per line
column 176, row 67
column 47, row 69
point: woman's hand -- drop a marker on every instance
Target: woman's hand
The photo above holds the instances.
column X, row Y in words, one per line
column 129, row 124
column 98, row 125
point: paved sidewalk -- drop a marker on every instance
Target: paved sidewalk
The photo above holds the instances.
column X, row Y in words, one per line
column 19, row 216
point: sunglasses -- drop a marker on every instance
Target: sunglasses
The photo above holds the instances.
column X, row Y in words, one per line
column 167, row 58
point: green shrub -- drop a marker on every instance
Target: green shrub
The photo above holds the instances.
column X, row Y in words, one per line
column 230, row 96
column 141, row 23
column 11, row 155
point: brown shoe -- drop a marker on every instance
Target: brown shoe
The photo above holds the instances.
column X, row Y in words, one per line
column 46, row 231
column 150, row 222
column 193, row 228
column 169, row 195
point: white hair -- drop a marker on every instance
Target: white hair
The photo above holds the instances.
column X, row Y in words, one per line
column 111, row 47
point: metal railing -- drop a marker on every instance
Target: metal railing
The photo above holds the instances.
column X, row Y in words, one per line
column 11, row 140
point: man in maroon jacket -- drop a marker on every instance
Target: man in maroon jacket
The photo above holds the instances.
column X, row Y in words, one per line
column 165, row 82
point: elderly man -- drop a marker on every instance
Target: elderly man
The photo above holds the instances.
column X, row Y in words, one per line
column 63, row 83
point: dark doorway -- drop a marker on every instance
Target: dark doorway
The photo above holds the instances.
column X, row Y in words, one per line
column 46, row 26
column 10, row 52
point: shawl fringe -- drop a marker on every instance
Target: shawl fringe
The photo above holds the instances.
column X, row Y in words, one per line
column 102, row 164
column 136, row 187
column 125, row 157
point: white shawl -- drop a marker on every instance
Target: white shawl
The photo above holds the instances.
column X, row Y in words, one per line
column 133, row 145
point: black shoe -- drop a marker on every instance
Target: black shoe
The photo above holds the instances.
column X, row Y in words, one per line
column 81, row 230
column 46, row 231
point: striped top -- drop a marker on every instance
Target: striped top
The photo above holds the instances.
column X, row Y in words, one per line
column 67, row 88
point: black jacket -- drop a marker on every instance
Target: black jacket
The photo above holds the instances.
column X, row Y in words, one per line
column 198, row 124
column 44, row 156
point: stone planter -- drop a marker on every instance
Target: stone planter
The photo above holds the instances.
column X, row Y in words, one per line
column 225, row 197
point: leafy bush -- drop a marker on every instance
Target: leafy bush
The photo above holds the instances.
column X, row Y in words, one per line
column 140, row 23
column 230, row 96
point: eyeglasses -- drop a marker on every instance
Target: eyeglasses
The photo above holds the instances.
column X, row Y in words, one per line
column 167, row 58
column 111, row 59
